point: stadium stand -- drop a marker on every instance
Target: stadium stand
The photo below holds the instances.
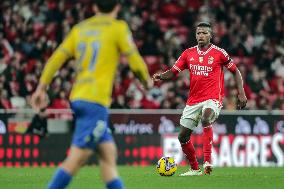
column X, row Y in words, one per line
column 251, row 31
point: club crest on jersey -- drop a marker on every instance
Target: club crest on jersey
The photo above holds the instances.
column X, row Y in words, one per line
column 210, row 60
column 201, row 59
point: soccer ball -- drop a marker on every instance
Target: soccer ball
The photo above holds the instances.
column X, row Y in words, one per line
column 166, row 166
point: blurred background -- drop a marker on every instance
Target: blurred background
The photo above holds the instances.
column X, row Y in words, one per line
column 251, row 31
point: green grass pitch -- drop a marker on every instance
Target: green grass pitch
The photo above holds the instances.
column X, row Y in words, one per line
column 147, row 178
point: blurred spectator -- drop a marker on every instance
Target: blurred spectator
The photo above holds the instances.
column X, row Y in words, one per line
column 60, row 102
column 17, row 101
column 119, row 103
column 4, row 102
column 278, row 66
column 252, row 31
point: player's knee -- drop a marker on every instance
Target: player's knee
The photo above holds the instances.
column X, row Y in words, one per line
column 78, row 157
column 72, row 165
column 108, row 153
column 205, row 121
column 78, row 161
column 207, row 117
column 183, row 137
column 109, row 162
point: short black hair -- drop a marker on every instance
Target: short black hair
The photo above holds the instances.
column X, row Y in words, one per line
column 204, row 24
column 106, row 6
column 207, row 25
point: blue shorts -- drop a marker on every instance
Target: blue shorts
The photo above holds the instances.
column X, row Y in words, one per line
column 91, row 124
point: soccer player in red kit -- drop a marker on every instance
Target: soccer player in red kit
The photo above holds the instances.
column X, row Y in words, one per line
column 205, row 63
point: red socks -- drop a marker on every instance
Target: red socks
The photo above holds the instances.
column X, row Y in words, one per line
column 207, row 137
column 189, row 151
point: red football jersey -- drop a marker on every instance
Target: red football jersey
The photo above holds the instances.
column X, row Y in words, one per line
column 206, row 72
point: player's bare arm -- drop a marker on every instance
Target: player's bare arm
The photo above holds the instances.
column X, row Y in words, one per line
column 242, row 99
column 163, row 76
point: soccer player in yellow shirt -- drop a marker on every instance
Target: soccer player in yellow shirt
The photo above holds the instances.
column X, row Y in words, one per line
column 96, row 44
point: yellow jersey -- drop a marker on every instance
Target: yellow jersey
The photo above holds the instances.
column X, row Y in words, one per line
column 96, row 44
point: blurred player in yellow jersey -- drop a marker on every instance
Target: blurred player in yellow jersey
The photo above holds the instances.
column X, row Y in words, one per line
column 96, row 44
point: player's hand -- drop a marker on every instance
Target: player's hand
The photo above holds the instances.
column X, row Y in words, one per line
column 242, row 101
column 39, row 99
column 149, row 84
column 156, row 77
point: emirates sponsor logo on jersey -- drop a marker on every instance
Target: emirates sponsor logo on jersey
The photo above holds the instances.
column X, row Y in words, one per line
column 210, row 60
column 200, row 70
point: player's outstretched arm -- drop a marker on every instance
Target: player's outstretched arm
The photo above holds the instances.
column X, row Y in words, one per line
column 242, row 99
column 39, row 99
column 163, row 76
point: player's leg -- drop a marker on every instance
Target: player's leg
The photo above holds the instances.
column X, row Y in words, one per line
column 210, row 112
column 94, row 133
column 76, row 159
column 189, row 121
column 70, row 166
column 91, row 125
column 188, row 150
column 207, row 137
column 107, row 161
column 187, row 146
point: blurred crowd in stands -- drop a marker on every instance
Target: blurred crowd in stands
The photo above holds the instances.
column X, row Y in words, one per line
column 251, row 31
